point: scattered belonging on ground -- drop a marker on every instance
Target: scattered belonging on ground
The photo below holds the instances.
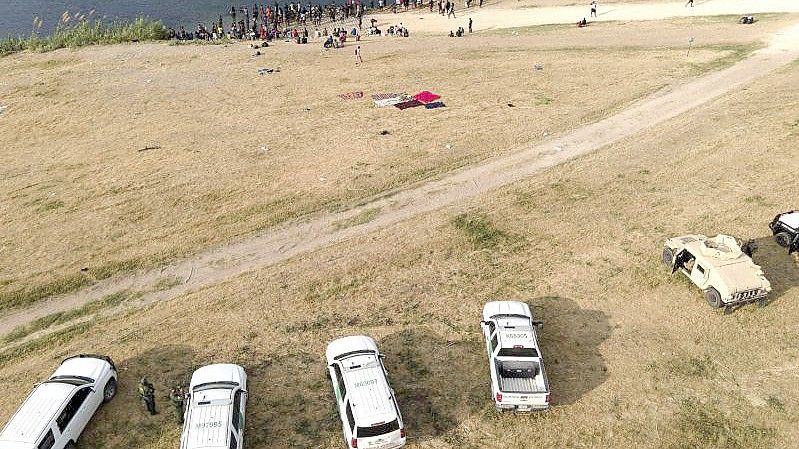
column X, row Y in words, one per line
column 384, row 132
column 351, row 95
column 539, row 66
column 265, row 71
column 435, row 105
column 2, row 109
column 746, row 20
column 426, row 96
column 383, row 100
column 412, row 103
column 148, row 148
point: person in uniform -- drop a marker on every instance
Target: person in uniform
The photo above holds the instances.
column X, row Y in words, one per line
column 147, row 394
column 176, row 396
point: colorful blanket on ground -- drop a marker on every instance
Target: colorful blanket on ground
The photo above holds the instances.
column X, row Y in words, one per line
column 426, row 96
column 436, row 105
column 408, row 104
column 351, row 95
column 383, row 100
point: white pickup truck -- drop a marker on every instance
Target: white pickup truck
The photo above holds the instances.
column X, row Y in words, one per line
column 518, row 379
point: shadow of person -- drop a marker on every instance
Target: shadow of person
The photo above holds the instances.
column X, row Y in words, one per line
column 438, row 383
column 570, row 340
column 779, row 267
column 292, row 403
column 124, row 422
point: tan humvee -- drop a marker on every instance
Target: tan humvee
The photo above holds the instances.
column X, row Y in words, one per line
column 719, row 267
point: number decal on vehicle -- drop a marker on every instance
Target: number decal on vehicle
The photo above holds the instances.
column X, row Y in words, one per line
column 209, row 424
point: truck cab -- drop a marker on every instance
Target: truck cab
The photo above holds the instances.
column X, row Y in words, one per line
column 367, row 405
column 518, row 378
column 217, row 401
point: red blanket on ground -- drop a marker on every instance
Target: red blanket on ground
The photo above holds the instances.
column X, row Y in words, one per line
column 426, row 96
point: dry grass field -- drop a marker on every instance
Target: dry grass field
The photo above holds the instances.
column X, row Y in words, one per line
column 635, row 357
column 233, row 152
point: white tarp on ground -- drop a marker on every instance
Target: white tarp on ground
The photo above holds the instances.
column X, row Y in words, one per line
column 2, row 109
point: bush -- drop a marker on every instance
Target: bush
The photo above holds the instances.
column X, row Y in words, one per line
column 88, row 33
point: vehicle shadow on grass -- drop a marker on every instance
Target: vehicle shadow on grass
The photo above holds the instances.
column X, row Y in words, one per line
column 779, row 267
column 570, row 340
column 438, row 383
column 291, row 402
column 124, row 422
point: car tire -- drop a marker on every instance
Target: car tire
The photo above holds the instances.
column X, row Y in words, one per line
column 783, row 239
column 110, row 390
column 668, row 257
column 713, row 297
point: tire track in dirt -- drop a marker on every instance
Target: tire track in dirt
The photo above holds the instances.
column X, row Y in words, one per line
column 318, row 231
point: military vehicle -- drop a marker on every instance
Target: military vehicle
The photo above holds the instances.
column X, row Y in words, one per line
column 785, row 228
column 718, row 266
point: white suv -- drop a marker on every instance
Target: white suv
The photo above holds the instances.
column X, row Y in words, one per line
column 217, row 401
column 366, row 403
column 57, row 410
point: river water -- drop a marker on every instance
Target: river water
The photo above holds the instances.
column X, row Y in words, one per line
column 17, row 16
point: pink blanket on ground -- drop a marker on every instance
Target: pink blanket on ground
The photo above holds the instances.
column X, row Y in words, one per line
column 426, row 96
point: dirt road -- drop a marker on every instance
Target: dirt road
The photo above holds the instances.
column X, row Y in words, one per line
column 322, row 230
column 508, row 17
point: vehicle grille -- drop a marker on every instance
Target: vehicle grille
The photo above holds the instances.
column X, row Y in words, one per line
column 749, row 294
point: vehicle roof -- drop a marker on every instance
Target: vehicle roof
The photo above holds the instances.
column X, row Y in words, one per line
column 87, row 367
column 36, row 413
column 494, row 308
column 199, row 434
column 368, row 390
column 790, row 219
column 220, row 372
column 349, row 344
column 717, row 251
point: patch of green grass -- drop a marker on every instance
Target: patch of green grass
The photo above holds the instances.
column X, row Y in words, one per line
column 166, row 283
column 26, row 296
column 46, row 342
column 480, row 231
column 698, row 425
column 87, row 33
column 65, row 317
column 731, row 55
column 364, row 217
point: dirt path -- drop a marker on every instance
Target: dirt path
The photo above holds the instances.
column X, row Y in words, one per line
column 277, row 245
column 500, row 17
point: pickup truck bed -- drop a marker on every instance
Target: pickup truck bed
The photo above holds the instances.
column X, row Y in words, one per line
column 522, row 378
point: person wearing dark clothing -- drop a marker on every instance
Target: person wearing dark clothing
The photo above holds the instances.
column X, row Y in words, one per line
column 470, row 24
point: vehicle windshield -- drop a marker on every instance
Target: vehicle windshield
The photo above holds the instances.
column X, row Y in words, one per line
column 509, row 315
column 518, row 352
column 378, row 429
column 351, row 353
column 215, row 386
column 72, row 380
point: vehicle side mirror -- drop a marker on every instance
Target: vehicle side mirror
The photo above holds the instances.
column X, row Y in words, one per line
column 538, row 323
column 382, row 356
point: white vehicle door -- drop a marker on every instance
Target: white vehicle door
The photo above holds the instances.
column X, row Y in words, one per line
column 699, row 275
column 76, row 414
column 489, row 330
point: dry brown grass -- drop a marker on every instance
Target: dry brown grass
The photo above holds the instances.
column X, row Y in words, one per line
column 635, row 357
column 239, row 153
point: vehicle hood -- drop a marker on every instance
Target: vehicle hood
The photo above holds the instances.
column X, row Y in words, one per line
column 222, row 372
column 88, row 367
column 743, row 276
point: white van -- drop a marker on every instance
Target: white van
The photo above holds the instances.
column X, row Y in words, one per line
column 366, row 403
column 57, row 410
column 217, row 400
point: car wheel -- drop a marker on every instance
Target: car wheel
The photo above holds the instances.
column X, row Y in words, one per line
column 783, row 239
column 713, row 298
column 668, row 256
column 110, row 390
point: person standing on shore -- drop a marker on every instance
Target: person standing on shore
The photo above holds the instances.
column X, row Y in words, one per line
column 470, row 24
column 691, row 3
column 593, row 8
column 358, row 59
column 481, row 3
